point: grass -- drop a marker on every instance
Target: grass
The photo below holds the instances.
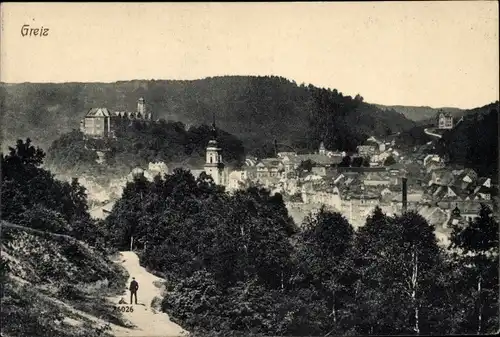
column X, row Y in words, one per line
column 57, row 286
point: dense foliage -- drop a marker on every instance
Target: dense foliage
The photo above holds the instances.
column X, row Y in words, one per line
column 236, row 264
column 416, row 136
column 137, row 144
column 255, row 109
column 32, row 197
column 48, row 264
column 474, row 142
column 479, row 243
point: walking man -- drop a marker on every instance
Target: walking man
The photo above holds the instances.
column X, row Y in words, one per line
column 134, row 286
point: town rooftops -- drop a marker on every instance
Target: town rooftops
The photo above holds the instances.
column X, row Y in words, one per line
column 361, row 169
column 319, row 159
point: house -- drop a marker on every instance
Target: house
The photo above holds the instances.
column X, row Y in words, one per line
column 356, row 207
column 413, row 199
column 250, row 171
column 379, row 158
column 328, row 196
column 434, row 215
column 319, row 159
column 158, row 168
column 237, row 179
column 465, row 179
column 442, row 177
column 431, row 157
column 445, row 120
column 377, row 179
column 433, row 166
column 380, row 145
column 366, row 151
column 482, row 193
column 270, row 168
column 251, row 161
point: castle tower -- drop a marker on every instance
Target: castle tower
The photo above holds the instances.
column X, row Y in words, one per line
column 213, row 162
column 322, row 149
column 141, row 107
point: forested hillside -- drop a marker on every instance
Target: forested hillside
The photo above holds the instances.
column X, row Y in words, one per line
column 138, row 144
column 54, row 269
column 254, row 109
column 421, row 113
column 474, row 141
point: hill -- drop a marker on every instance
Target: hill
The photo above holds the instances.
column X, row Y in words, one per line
column 254, row 109
column 474, row 141
column 55, row 271
column 139, row 144
column 54, row 285
column 421, row 113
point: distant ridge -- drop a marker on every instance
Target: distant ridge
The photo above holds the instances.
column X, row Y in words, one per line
column 256, row 109
column 420, row 113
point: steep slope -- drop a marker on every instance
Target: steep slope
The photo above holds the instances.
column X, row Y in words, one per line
column 54, row 285
column 255, row 109
column 474, row 141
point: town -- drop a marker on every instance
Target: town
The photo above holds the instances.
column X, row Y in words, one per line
column 263, row 169
column 352, row 184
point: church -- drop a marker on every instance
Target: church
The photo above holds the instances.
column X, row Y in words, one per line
column 214, row 166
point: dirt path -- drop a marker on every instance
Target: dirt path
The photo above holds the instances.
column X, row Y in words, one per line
column 149, row 323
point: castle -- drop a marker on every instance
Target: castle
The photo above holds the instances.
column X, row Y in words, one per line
column 101, row 122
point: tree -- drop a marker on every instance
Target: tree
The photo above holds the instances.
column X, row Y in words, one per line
column 398, row 264
column 32, row 197
column 325, row 246
column 478, row 243
column 306, row 165
column 346, row 162
column 389, row 161
column 357, row 162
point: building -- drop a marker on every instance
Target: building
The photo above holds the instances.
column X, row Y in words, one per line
column 366, row 151
column 101, row 122
column 322, row 149
column 214, row 166
column 445, row 120
column 378, row 143
column 97, row 123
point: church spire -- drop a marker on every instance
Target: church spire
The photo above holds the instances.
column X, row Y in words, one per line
column 214, row 129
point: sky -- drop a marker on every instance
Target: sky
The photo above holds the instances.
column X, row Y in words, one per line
column 408, row 53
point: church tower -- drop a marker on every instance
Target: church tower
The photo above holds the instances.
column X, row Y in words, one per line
column 322, row 149
column 141, row 107
column 213, row 162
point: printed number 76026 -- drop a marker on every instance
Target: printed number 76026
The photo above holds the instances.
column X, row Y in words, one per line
column 125, row 308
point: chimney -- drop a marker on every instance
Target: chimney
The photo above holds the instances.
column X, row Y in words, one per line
column 404, row 197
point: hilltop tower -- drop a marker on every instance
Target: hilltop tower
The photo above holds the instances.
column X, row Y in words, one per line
column 213, row 162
